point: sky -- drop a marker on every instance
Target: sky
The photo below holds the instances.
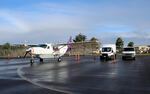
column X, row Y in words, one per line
column 54, row 21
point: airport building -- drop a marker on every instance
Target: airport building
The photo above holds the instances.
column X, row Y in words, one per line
column 142, row 49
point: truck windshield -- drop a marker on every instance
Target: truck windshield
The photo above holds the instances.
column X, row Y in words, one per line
column 128, row 49
column 42, row 45
column 106, row 49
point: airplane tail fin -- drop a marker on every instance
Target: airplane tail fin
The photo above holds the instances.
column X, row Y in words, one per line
column 69, row 43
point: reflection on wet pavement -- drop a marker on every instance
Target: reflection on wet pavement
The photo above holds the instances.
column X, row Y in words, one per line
column 89, row 76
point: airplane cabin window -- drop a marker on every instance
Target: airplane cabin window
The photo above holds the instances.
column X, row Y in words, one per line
column 42, row 45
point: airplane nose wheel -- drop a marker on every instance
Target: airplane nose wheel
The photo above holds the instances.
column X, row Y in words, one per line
column 31, row 62
column 59, row 59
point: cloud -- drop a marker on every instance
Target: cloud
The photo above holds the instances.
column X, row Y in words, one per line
column 47, row 21
column 12, row 24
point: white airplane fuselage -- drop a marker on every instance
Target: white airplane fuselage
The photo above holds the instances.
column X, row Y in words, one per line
column 48, row 51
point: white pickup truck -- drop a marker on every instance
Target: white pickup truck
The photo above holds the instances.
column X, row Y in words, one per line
column 128, row 53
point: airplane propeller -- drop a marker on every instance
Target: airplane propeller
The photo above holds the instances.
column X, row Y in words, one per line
column 27, row 52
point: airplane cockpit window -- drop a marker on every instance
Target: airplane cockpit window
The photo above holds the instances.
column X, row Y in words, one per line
column 42, row 45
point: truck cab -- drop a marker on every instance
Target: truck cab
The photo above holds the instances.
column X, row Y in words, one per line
column 128, row 53
column 108, row 51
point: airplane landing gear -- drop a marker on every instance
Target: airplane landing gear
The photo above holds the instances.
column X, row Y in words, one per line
column 41, row 60
column 59, row 59
column 31, row 60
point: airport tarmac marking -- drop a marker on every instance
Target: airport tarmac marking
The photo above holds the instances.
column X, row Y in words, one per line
column 20, row 73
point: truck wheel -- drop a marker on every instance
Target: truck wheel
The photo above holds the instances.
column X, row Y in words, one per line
column 134, row 58
column 115, row 56
column 101, row 58
column 123, row 58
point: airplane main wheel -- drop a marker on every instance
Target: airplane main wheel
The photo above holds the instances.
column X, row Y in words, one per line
column 41, row 60
column 59, row 59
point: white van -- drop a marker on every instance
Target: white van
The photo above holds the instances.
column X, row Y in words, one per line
column 128, row 53
column 108, row 51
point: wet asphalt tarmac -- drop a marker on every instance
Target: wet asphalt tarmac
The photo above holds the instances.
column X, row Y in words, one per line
column 87, row 76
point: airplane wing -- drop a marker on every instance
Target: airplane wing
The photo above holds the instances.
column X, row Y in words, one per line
column 69, row 44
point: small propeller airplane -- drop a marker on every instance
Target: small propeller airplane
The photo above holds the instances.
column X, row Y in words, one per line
column 45, row 51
